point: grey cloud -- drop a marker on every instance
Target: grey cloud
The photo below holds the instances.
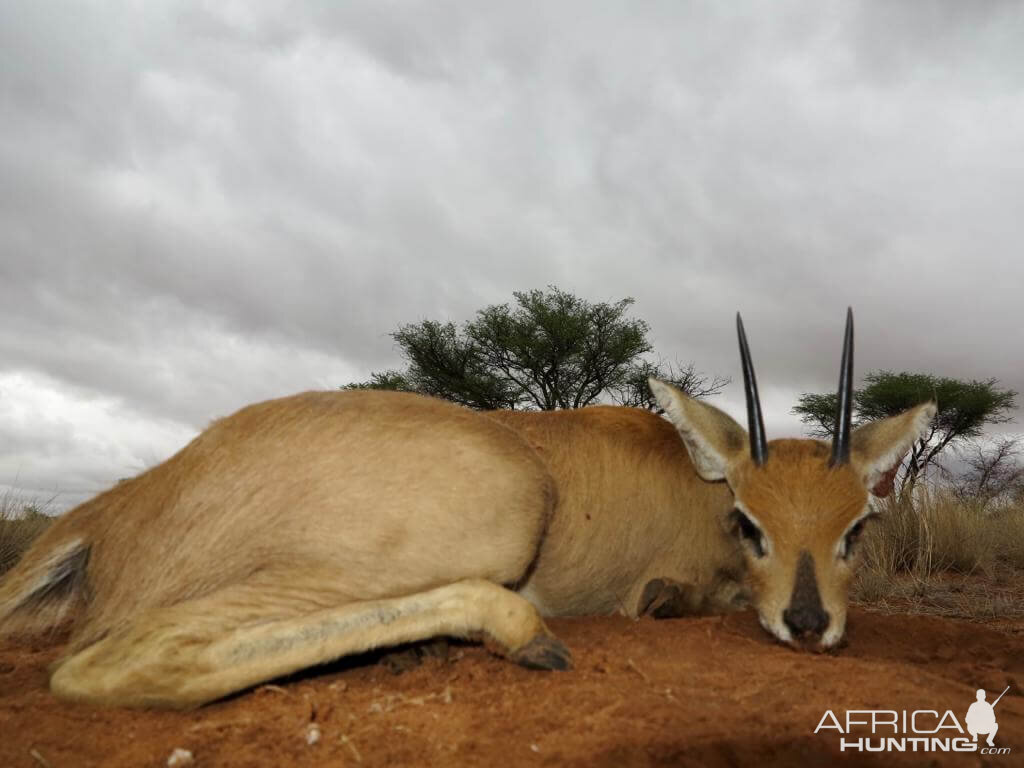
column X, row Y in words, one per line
column 207, row 204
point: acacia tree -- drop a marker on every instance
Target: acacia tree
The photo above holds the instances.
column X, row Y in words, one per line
column 549, row 350
column 635, row 392
column 393, row 380
column 965, row 408
column 990, row 472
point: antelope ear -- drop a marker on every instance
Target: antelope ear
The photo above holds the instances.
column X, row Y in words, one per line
column 878, row 447
column 712, row 438
column 885, row 483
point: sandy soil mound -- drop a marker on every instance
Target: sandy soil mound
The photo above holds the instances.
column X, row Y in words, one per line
column 690, row 692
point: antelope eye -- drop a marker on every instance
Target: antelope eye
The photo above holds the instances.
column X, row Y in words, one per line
column 851, row 538
column 747, row 531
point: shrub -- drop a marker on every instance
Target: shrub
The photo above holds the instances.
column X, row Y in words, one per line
column 21, row 521
column 945, row 554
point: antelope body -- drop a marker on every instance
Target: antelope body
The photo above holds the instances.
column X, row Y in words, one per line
column 303, row 529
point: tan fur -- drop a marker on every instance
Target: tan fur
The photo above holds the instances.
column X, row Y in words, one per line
column 274, row 515
column 802, row 505
column 630, row 509
column 303, row 529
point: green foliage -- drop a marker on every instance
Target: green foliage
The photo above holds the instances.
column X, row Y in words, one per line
column 391, row 380
column 556, row 350
column 965, row 408
column 549, row 350
column 820, row 412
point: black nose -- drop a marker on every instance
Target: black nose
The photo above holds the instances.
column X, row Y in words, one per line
column 806, row 621
column 805, row 615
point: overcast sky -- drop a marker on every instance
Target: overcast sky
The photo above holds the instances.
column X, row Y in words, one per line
column 207, row 204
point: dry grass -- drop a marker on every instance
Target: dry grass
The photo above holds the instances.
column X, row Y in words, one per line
column 21, row 520
column 944, row 555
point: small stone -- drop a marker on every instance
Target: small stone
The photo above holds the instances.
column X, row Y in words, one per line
column 312, row 734
column 180, row 757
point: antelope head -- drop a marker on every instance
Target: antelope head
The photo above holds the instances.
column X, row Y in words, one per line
column 800, row 505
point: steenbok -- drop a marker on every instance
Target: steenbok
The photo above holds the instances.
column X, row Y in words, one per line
column 303, row 529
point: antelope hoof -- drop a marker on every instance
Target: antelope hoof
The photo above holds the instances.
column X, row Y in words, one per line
column 544, row 652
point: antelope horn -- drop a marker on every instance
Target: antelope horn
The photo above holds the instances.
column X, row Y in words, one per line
column 844, row 404
column 755, row 424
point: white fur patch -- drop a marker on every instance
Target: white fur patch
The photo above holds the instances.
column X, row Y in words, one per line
column 896, row 453
column 708, row 462
column 776, row 627
column 834, row 633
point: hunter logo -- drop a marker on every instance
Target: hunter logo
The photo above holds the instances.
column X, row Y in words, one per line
column 920, row 730
column 981, row 717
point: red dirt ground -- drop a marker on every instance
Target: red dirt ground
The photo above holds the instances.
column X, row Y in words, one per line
column 687, row 692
